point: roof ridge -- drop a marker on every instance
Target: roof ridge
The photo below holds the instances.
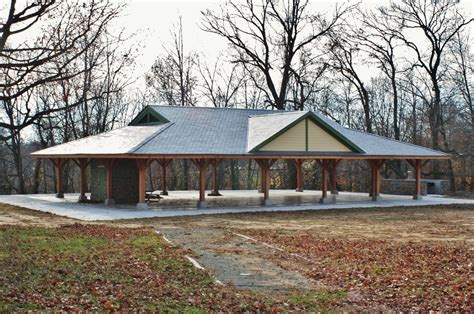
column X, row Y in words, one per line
column 213, row 108
column 278, row 113
column 395, row 140
column 137, row 147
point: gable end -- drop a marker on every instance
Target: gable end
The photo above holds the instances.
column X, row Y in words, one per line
column 148, row 116
column 309, row 133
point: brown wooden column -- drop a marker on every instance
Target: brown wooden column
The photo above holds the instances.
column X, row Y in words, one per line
column 201, row 164
column 375, row 165
column 109, row 166
column 59, row 168
column 142, row 165
column 299, row 174
column 261, row 186
column 324, row 163
column 164, row 164
column 334, row 164
column 418, row 165
column 265, row 165
column 215, row 177
column 82, row 163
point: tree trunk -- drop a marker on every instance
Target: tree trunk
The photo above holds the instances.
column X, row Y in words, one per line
column 18, row 162
column 234, row 174
column 185, row 181
column 250, row 185
column 36, row 175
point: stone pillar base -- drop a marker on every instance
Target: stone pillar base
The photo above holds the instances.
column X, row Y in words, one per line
column 60, row 195
column 417, row 197
column 267, row 202
column 325, row 200
column 376, row 198
column 202, row 204
column 336, row 192
column 142, row 206
column 214, row 194
column 109, row 202
column 82, row 198
column 299, row 190
column 164, row 193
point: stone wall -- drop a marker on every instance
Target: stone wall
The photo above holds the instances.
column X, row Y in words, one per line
column 437, row 186
column 402, row 187
column 124, row 181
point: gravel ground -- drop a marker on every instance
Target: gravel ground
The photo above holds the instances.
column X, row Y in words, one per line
column 236, row 260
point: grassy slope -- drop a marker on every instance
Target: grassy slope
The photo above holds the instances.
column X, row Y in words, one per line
column 109, row 267
column 96, row 267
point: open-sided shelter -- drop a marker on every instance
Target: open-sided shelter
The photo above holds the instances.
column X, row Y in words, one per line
column 119, row 158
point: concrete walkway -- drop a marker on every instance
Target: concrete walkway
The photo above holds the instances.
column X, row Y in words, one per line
column 70, row 208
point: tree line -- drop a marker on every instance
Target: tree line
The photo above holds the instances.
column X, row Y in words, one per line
column 403, row 71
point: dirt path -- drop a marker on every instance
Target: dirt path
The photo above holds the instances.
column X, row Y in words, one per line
column 236, row 260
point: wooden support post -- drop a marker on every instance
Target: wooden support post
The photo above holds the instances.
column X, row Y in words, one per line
column 142, row 166
column 201, row 164
column 265, row 165
column 109, row 166
column 418, row 165
column 164, row 164
column 215, row 177
column 334, row 163
column 83, row 163
column 261, row 186
column 299, row 174
column 59, row 167
column 324, row 163
column 375, row 164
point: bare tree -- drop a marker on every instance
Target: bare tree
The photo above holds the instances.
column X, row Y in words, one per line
column 375, row 38
column 268, row 36
column 50, row 57
column 438, row 22
column 219, row 87
column 345, row 54
column 461, row 74
column 172, row 78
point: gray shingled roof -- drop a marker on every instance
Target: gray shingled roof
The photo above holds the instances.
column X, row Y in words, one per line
column 215, row 131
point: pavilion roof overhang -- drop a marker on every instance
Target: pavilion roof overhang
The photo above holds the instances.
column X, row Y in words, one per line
column 197, row 132
column 265, row 155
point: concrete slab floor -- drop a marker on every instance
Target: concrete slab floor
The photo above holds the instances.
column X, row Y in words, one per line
column 247, row 201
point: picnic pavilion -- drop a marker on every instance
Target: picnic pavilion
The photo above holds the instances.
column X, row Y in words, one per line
column 118, row 159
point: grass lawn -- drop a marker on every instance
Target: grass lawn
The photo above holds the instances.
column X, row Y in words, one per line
column 90, row 267
column 378, row 259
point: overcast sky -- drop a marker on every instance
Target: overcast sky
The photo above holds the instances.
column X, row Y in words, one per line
column 153, row 19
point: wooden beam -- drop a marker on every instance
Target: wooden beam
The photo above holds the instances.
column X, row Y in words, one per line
column 324, row 185
column 164, row 164
column 299, row 174
column 376, row 182
column 418, row 167
column 202, row 164
column 243, row 156
column 324, row 164
column 334, row 164
column 215, row 177
column 265, row 165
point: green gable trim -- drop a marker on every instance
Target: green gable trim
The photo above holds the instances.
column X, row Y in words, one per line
column 319, row 122
column 306, row 134
column 148, row 116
